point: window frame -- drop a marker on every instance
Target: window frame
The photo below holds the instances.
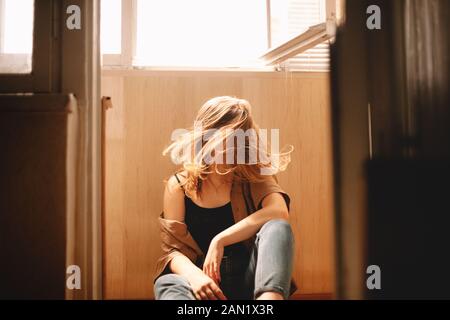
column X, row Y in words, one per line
column 41, row 79
column 124, row 60
column 308, row 39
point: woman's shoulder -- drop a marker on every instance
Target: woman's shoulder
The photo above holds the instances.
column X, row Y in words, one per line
column 259, row 190
column 174, row 200
column 265, row 181
column 176, row 181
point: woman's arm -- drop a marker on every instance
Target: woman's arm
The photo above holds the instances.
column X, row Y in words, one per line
column 273, row 207
column 203, row 286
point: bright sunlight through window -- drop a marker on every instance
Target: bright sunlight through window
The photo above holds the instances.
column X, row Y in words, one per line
column 209, row 33
column 16, row 35
column 200, row 32
column 111, row 26
column 18, row 26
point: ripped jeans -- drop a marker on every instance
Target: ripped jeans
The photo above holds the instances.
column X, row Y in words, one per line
column 267, row 268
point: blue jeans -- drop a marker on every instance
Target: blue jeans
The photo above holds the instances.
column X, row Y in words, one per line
column 266, row 268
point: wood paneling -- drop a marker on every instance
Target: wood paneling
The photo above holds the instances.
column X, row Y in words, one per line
column 148, row 106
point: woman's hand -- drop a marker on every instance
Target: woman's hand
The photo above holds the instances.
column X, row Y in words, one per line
column 211, row 265
column 204, row 287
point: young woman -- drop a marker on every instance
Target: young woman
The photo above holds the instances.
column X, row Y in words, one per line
column 224, row 229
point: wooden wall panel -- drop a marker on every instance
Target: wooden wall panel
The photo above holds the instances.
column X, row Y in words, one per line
column 148, row 106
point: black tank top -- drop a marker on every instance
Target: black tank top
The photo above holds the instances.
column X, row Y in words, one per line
column 205, row 223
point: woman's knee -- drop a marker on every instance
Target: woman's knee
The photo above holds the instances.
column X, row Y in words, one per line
column 278, row 228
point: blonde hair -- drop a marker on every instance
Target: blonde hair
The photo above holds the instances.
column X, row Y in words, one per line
column 217, row 116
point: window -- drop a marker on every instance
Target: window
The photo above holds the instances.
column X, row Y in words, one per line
column 213, row 33
column 16, row 35
column 290, row 18
column 29, row 55
column 200, row 32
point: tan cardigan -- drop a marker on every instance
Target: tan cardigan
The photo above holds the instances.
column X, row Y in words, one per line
column 246, row 198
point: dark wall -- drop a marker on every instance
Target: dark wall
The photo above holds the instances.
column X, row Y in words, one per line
column 408, row 228
column 401, row 71
column 33, row 141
